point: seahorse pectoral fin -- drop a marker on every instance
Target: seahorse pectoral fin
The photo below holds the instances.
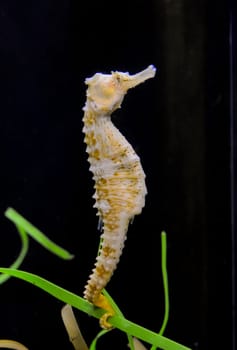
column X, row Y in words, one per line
column 100, row 225
column 104, row 304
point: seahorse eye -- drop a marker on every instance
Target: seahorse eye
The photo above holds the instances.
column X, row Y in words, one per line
column 118, row 78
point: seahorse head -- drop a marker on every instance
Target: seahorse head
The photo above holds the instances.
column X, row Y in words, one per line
column 105, row 92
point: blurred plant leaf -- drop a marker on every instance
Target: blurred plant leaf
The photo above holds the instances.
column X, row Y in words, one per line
column 23, row 224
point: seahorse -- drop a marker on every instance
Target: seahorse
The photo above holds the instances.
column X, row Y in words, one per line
column 118, row 175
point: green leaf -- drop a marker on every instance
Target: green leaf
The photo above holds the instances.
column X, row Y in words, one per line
column 165, row 283
column 165, row 280
column 22, row 254
column 81, row 304
column 36, row 234
column 100, row 334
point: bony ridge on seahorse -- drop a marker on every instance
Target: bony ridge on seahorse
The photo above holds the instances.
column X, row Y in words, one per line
column 119, row 178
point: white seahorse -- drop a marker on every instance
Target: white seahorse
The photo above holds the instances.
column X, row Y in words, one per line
column 120, row 188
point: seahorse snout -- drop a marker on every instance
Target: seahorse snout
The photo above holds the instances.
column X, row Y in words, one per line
column 130, row 81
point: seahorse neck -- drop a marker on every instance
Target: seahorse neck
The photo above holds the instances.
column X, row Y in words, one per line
column 92, row 117
column 98, row 112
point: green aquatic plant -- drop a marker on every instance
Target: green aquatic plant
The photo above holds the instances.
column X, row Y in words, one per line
column 133, row 331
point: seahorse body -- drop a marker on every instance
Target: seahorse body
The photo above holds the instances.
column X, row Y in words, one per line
column 119, row 178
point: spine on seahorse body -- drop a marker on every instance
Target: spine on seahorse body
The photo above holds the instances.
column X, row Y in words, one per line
column 117, row 172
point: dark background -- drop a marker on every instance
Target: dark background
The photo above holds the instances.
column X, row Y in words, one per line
column 182, row 124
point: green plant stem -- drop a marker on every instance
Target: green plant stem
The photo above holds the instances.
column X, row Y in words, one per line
column 165, row 283
column 165, row 280
column 117, row 321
